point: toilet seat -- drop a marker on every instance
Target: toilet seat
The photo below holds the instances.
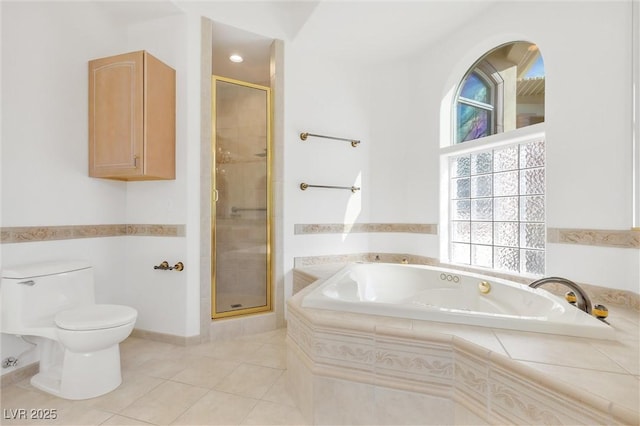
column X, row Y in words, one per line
column 95, row 317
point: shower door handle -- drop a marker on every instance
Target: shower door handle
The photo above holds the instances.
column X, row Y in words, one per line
column 215, row 195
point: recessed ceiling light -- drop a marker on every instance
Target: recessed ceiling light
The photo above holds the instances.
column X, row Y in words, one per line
column 235, row 58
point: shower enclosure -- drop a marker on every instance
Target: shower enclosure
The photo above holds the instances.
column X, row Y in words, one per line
column 241, row 200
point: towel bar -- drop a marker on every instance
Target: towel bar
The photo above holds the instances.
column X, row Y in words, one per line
column 304, row 186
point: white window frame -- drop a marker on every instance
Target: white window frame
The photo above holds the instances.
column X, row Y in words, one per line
column 492, row 78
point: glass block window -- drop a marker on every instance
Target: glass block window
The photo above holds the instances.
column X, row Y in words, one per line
column 497, row 216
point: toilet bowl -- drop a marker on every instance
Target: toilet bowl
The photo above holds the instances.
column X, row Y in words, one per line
column 78, row 340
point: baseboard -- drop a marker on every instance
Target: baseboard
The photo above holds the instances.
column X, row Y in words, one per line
column 165, row 338
column 19, row 374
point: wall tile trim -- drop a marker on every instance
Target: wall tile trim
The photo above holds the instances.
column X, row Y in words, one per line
column 592, row 237
column 595, row 237
column 157, row 230
column 30, row 234
column 343, row 228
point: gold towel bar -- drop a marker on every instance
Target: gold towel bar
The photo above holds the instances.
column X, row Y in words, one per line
column 304, row 136
column 304, row 186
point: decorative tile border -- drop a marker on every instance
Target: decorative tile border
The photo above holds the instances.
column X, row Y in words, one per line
column 592, row 237
column 595, row 237
column 157, row 230
column 344, row 228
column 300, row 262
column 30, row 234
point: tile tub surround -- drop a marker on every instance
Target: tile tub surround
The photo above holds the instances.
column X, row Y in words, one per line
column 472, row 374
column 308, row 269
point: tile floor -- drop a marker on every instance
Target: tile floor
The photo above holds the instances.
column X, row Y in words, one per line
column 242, row 381
column 237, row 382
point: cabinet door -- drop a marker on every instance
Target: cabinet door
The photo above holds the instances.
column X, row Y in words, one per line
column 116, row 116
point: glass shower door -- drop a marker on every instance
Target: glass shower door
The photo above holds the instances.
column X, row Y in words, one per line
column 241, row 228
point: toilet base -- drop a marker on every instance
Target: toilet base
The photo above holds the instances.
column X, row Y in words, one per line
column 81, row 375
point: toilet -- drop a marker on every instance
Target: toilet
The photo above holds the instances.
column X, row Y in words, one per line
column 78, row 340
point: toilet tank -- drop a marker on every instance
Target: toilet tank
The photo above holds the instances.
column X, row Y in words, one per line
column 31, row 295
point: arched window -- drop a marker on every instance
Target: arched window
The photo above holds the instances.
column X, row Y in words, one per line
column 502, row 91
column 496, row 215
column 478, row 105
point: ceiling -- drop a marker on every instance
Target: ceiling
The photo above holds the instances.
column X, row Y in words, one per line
column 378, row 30
column 254, row 49
column 356, row 30
column 360, row 31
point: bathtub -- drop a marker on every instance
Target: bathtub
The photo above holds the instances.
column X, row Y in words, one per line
column 446, row 295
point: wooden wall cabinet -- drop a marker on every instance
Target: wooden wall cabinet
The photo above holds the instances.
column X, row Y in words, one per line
column 132, row 118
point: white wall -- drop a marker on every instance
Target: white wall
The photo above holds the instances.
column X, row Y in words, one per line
column 394, row 108
column 45, row 50
column 325, row 97
column 586, row 50
column 44, row 108
column 161, row 296
column 403, row 157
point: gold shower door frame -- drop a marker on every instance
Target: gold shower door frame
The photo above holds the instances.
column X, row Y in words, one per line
column 214, row 199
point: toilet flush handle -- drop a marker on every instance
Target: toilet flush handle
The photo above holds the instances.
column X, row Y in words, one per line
column 29, row 282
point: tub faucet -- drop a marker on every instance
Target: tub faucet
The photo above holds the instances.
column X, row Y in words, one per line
column 582, row 299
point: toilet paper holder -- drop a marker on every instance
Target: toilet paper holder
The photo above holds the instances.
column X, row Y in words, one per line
column 164, row 266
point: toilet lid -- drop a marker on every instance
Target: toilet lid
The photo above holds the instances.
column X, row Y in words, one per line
column 95, row 317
